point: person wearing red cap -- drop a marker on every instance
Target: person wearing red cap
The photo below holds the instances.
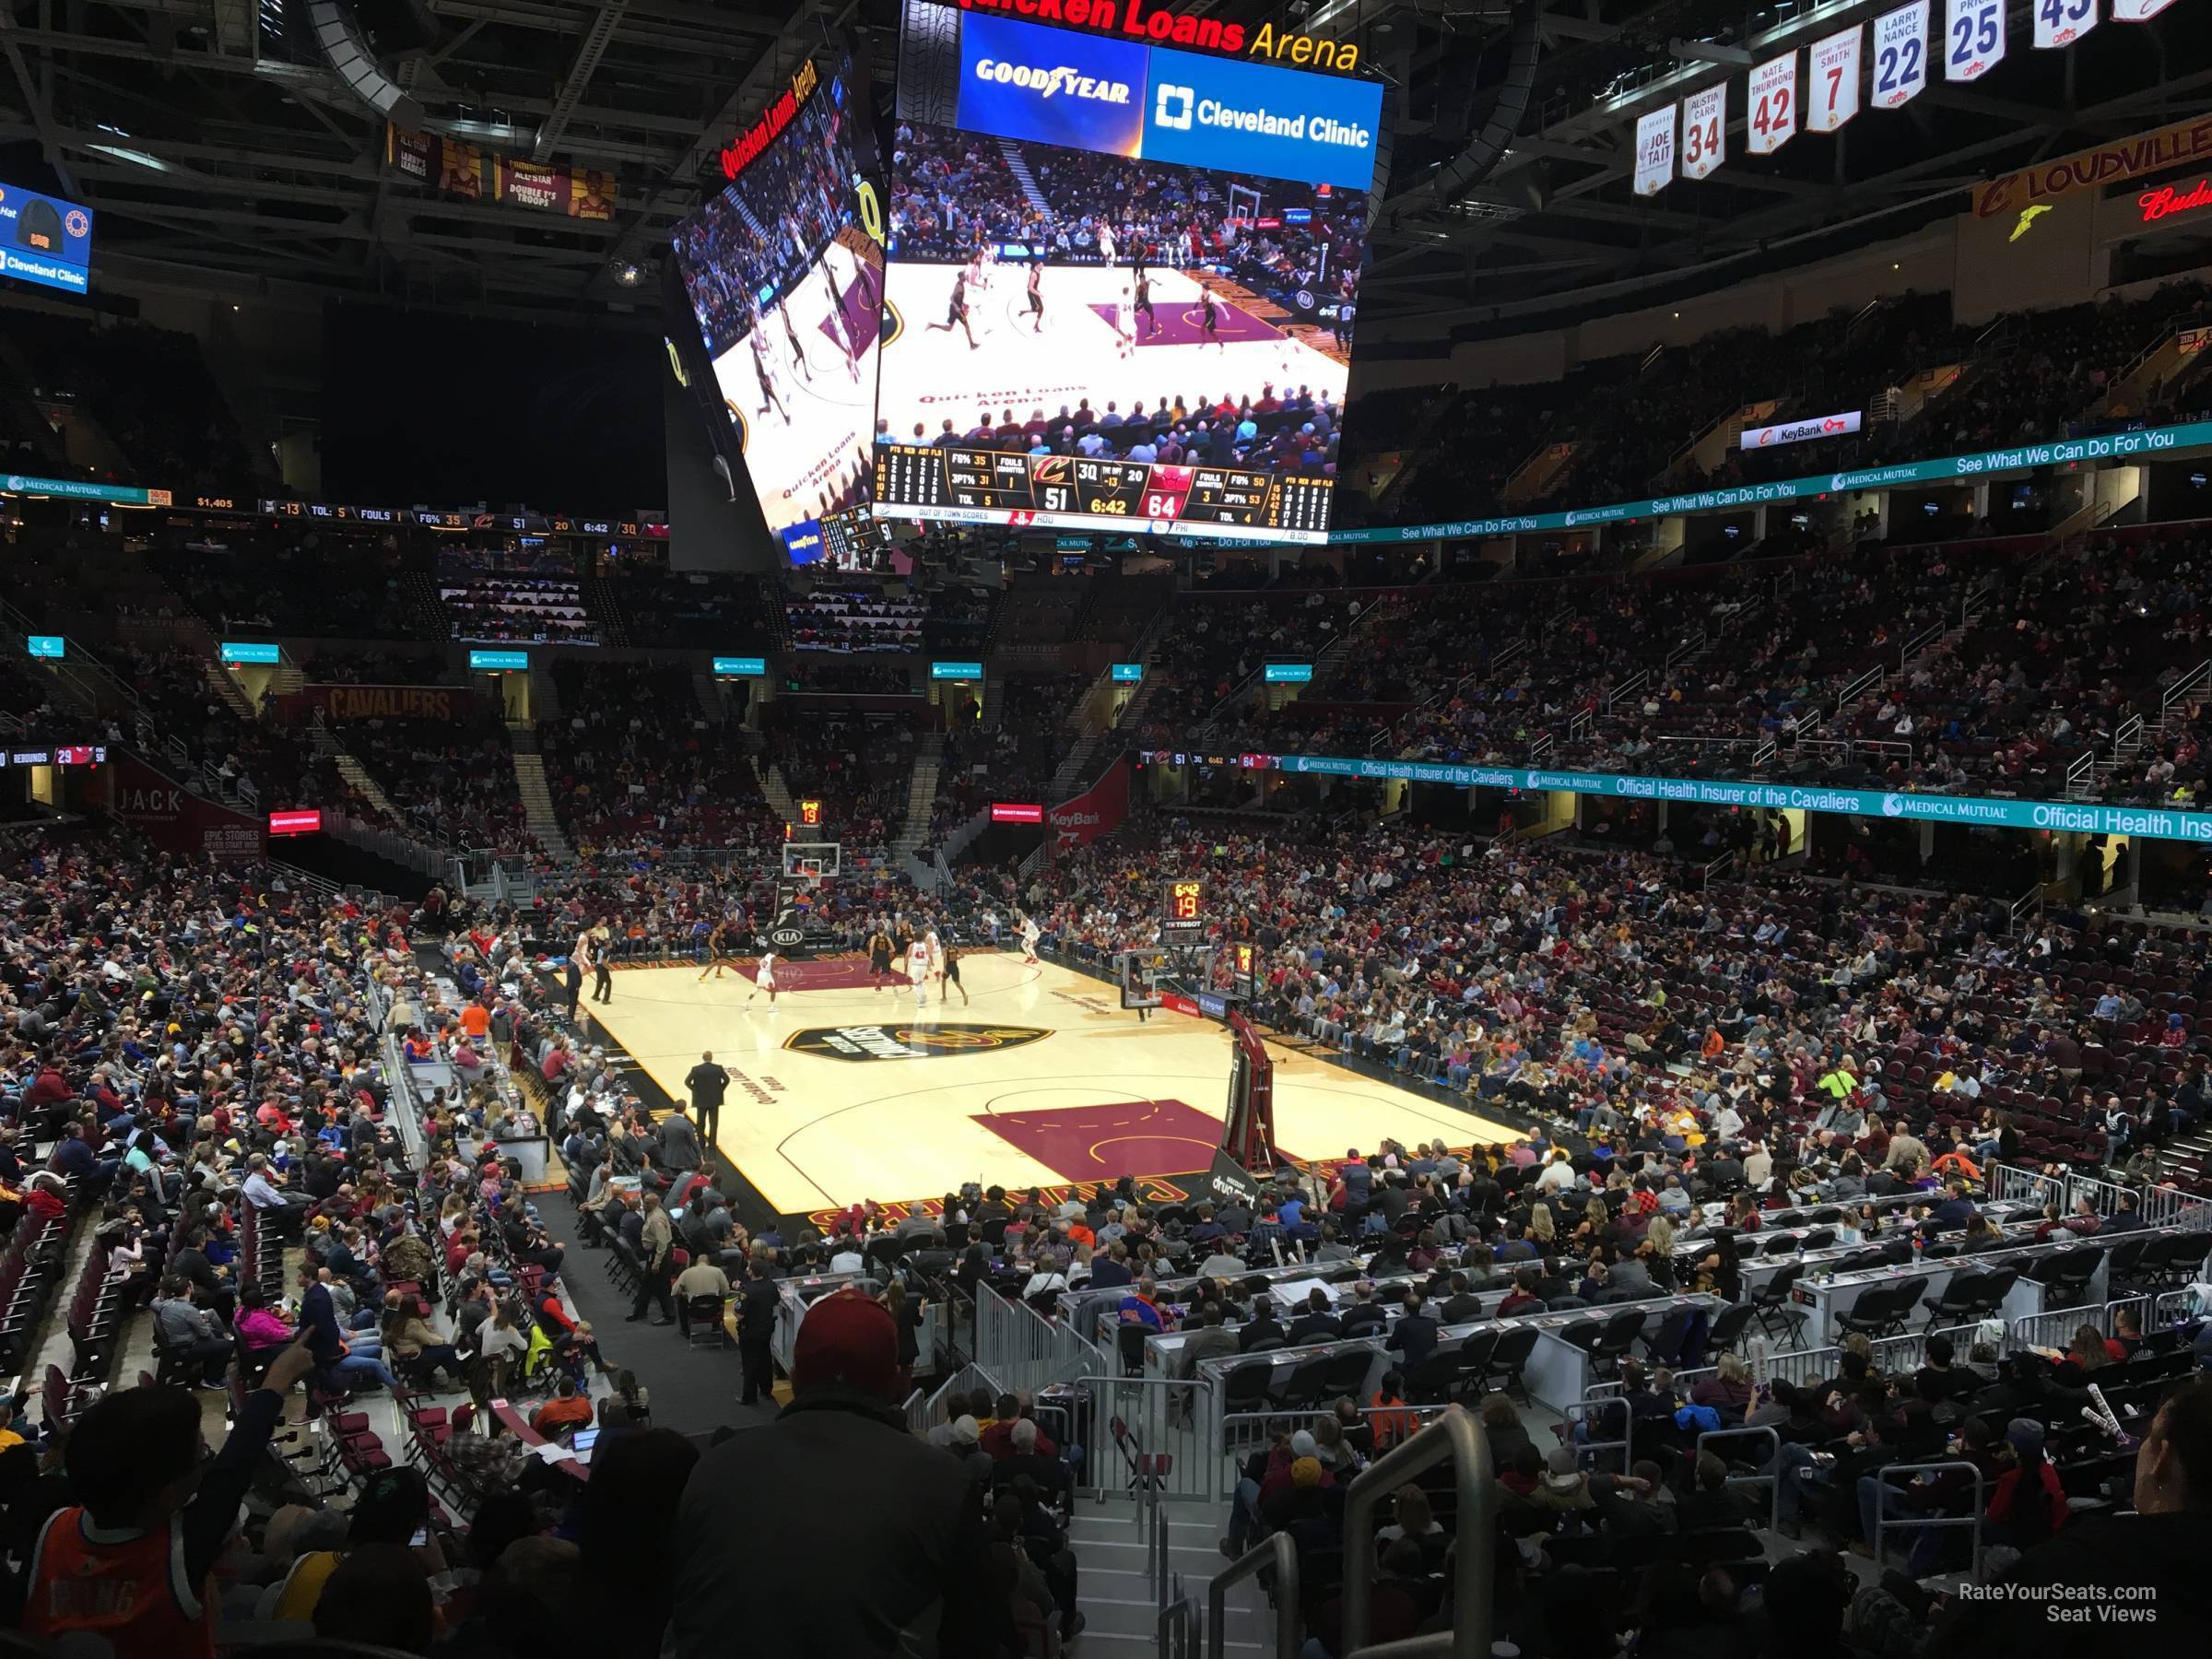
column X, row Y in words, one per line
column 906, row 1571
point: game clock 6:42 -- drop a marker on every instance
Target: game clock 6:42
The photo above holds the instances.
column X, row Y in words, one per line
column 1182, row 911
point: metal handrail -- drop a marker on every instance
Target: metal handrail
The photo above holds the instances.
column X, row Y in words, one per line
column 1772, row 1478
column 1276, row 1551
column 1884, row 1522
column 1580, row 1411
column 1454, row 1437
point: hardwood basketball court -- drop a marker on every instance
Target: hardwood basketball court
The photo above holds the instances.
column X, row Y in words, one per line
column 841, row 1092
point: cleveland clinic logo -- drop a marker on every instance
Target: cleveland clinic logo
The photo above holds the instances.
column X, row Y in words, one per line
column 1060, row 81
column 1173, row 107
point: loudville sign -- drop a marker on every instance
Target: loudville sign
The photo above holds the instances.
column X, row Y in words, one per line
column 1129, row 17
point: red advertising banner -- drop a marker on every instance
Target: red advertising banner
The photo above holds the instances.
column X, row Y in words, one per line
column 1097, row 809
column 175, row 820
column 446, row 704
column 304, row 822
column 1016, row 812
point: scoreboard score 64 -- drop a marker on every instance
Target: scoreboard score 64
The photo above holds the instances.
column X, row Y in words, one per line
column 1183, row 911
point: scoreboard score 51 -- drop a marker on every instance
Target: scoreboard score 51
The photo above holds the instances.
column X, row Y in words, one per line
column 1183, row 911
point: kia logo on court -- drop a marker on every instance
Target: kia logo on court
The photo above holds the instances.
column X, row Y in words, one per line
column 787, row 938
column 910, row 1043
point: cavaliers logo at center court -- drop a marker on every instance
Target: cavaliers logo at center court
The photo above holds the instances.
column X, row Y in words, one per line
column 910, row 1042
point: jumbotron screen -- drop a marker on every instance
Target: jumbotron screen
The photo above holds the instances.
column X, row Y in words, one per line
column 1121, row 284
column 784, row 271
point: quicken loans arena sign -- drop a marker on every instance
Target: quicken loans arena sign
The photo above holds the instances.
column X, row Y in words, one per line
column 1131, row 19
column 2154, row 823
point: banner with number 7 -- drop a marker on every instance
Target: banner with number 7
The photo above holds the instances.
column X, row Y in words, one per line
column 1831, row 82
column 1771, row 114
column 1973, row 39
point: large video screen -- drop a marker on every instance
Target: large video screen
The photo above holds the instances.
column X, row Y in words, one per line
column 786, row 278
column 45, row 241
column 1121, row 282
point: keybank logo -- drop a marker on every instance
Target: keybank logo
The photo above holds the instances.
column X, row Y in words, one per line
column 1056, row 82
column 1173, row 109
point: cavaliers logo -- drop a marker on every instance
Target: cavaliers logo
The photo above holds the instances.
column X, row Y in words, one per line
column 910, row 1042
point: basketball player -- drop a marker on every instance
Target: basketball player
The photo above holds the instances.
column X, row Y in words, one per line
column 1209, row 319
column 791, row 337
column 1036, row 300
column 841, row 327
column 1106, row 242
column 1123, row 323
column 956, row 311
column 948, row 976
column 761, row 373
column 917, row 971
column 880, row 958
column 1030, row 933
column 1144, row 303
column 764, row 978
column 718, row 949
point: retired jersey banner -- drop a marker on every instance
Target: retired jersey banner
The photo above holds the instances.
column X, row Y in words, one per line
column 2062, row 22
column 1900, row 55
column 1832, row 87
column 1705, row 132
column 469, row 175
column 1654, row 151
column 1973, row 39
column 1770, row 116
column 2137, row 11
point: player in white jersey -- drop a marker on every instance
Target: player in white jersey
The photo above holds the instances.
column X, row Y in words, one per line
column 1030, row 933
column 764, row 978
column 1106, row 242
column 917, row 971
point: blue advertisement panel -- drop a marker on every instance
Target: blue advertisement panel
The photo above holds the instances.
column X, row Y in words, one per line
column 1019, row 80
column 955, row 671
column 45, row 241
column 741, row 667
column 498, row 662
column 1281, row 123
column 1981, row 812
column 238, row 650
column 803, row 542
column 51, row 646
column 1289, row 674
column 1128, row 674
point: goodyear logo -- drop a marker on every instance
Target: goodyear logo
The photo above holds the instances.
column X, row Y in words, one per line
column 910, row 1042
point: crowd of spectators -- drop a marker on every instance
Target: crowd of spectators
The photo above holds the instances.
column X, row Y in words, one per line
column 531, row 594
column 840, row 614
column 633, row 764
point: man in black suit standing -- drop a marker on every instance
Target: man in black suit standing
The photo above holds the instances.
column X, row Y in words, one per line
column 708, row 1083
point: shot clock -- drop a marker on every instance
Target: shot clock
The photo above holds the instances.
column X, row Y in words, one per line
column 1183, row 911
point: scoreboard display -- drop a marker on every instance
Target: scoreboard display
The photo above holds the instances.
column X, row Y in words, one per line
column 850, row 533
column 1183, row 911
column 999, row 486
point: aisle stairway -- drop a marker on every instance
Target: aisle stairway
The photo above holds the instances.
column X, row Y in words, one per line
column 538, row 799
column 921, row 802
column 363, row 782
column 1119, row 1607
column 1020, row 170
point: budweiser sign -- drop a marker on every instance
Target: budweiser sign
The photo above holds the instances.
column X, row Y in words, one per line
column 2169, row 200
